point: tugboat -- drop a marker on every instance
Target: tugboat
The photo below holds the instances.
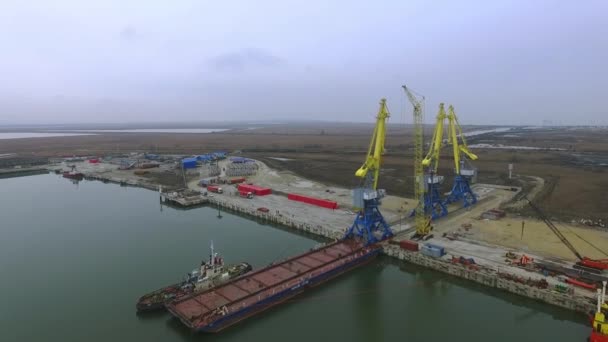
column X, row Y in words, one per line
column 73, row 174
column 209, row 275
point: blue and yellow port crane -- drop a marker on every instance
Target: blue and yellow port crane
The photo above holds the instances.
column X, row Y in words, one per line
column 464, row 172
column 433, row 202
column 369, row 223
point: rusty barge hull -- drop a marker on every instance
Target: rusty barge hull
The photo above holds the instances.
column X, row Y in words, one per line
column 217, row 309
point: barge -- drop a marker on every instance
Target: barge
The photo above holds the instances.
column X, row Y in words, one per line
column 248, row 295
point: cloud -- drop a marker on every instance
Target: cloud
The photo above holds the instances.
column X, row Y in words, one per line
column 250, row 58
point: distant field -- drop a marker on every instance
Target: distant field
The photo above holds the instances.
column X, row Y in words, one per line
column 576, row 174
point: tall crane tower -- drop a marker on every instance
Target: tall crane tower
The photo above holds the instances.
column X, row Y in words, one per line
column 461, row 190
column 369, row 221
column 433, row 202
column 422, row 223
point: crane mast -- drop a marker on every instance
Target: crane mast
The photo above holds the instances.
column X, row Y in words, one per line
column 461, row 189
column 369, row 222
column 433, row 202
column 421, row 221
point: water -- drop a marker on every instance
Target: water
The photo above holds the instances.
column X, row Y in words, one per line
column 22, row 135
column 154, row 130
column 75, row 258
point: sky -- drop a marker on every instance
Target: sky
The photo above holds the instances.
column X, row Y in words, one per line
column 498, row 62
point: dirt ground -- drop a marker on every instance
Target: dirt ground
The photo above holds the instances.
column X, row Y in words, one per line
column 571, row 161
column 539, row 239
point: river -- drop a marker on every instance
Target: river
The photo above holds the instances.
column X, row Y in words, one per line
column 74, row 258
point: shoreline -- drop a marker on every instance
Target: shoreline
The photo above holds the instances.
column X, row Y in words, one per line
column 485, row 276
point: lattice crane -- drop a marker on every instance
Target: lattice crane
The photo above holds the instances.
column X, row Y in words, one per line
column 422, row 222
column 369, row 222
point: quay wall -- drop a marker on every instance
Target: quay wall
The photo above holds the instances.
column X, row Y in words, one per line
column 482, row 276
column 491, row 279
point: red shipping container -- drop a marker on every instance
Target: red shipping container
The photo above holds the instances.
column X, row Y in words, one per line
column 237, row 180
column 256, row 190
column 409, row 245
column 314, row 201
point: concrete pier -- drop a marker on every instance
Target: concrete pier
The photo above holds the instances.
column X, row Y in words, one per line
column 491, row 278
column 484, row 275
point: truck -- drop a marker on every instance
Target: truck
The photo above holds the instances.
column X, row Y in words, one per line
column 214, row 188
column 246, row 194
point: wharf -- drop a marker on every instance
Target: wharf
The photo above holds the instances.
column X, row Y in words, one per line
column 218, row 308
column 492, row 278
column 485, row 276
column 9, row 173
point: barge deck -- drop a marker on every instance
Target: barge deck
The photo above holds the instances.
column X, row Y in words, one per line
column 214, row 310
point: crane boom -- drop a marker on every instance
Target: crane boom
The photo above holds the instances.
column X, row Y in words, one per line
column 435, row 148
column 421, row 222
column 454, row 132
column 376, row 147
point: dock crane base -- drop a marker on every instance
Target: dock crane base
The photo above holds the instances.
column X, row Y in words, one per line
column 368, row 222
column 461, row 191
column 433, row 205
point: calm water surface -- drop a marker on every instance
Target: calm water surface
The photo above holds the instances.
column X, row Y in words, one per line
column 23, row 135
column 75, row 258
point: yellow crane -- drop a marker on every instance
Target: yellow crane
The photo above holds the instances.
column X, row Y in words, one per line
column 422, row 223
column 376, row 148
column 369, row 221
column 436, row 142
column 433, row 202
column 461, row 190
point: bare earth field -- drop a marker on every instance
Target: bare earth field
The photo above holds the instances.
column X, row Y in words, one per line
column 575, row 177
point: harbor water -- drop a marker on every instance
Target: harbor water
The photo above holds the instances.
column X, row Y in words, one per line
column 74, row 258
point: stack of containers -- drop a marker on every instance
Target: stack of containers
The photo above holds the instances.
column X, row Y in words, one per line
column 433, row 250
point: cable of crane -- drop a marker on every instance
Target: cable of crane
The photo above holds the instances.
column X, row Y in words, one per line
column 588, row 242
column 546, row 219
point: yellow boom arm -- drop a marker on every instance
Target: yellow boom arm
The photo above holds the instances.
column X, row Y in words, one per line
column 376, row 146
column 435, row 148
column 453, row 133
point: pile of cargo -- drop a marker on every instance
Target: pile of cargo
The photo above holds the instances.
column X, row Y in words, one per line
column 148, row 165
column 432, row 250
column 539, row 283
column 493, row 214
column 314, row 201
column 561, row 288
column 463, row 261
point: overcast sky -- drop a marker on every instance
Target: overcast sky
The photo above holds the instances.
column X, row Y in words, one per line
column 501, row 62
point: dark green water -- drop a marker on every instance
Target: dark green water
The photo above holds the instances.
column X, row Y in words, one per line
column 75, row 258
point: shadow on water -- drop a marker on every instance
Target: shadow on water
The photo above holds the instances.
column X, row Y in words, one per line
column 439, row 283
column 156, row 314
column 369, row 309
